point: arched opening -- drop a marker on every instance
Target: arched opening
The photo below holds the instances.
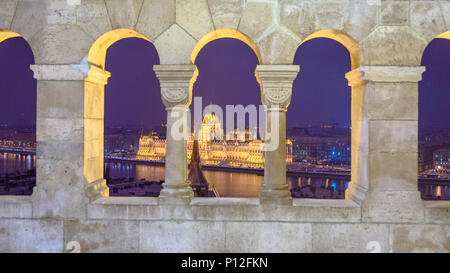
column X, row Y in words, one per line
column 321, row 117
column 17, row 116
column 434, row 121
column 122, row 106
column 228, row 142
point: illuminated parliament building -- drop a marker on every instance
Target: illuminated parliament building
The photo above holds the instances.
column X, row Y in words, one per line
column 238, row 152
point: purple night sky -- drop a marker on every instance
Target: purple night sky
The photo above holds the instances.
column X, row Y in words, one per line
column 132, row 95
column 226, row 76
column 434, row 89
column 17, row 85
column 320, row 92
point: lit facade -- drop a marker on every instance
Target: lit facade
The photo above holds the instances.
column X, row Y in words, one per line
column 239, row 152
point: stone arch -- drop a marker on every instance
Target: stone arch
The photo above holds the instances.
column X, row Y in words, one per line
column 5, row 35
column 344, row 39
column 225, row 33
column 359, row 132
column 431, row 98
column 219, row 34
column 94, row 100
column 98, row 51
column 444, row 35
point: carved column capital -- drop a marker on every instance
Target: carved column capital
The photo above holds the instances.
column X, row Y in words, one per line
column 276, row 84
column 175, row 82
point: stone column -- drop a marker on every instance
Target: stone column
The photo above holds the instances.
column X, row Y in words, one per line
column 384, row 143
column 62, row 189
column 276, row 82
column 175, row 81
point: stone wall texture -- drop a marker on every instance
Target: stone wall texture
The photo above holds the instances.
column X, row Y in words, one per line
column 385, row 214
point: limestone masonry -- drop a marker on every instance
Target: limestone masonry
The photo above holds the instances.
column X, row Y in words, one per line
column 69, row 40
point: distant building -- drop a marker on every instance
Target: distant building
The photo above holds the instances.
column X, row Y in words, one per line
column 429, row 143
column 242, row 151
column 121, row 142
column 441, row 160
column 151, row 148
column 327, row 144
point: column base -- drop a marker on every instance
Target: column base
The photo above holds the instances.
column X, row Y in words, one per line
column 275, row 195
column 176, row 195
column 355, row 192
column 96, row 190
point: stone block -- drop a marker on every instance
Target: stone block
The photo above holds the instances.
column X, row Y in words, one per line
column 256, row 19
column 55, row 172
column 325, row 210
column 56, row 200
column 271, row 44
column 29, row 19
column 124, row 13
column 60, row 12
column 94, row 129
column 60, row 99
column 361, row 19
column 194, row 17
column 62, row 129
column 60, row 44
column 93, row 148
column 427, row 19
column 226, row 14
column 22, row 236
column 445, row 6
column 94, row 101
column 389, row 101
column 420, row 238
column 400, row 46
column 223, row 209
column 392, row 206
column 61, row 150
column 244, row 237
column 125, row 208
column 93, row 167
column 182, row 236
column 393, row 171
column 92, row 17
column 298, row 17
column 394, row 13
column 175, row 46
column 330, row 14
column 156, row 16
column 103, row 236
column 393, row 136
column 15, row 207
column 437, row 212
column 355, row 238
column 7, row 10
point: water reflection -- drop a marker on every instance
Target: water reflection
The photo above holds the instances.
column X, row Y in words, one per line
column 12, row 163
column 227, row 184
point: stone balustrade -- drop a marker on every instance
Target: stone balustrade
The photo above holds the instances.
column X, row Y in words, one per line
column 70, row 201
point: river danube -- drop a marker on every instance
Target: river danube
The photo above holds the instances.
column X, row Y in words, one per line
column 227, row 184
column 12, row 163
